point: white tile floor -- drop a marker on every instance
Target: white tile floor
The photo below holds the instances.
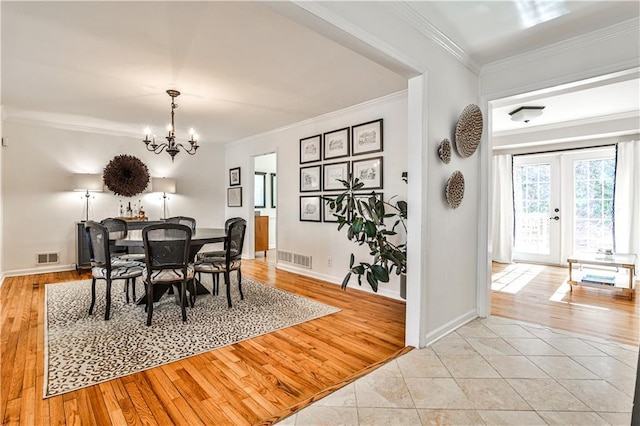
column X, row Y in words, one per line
column 494, row 371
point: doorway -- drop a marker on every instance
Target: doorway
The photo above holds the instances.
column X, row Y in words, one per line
column 563, row 203
column 265, row 205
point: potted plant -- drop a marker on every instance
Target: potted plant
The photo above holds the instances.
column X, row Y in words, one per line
column 372, row 221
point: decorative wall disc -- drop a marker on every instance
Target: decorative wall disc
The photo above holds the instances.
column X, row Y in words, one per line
column 444, row 151
column 126, row 175
column 454, row 191
column 469, row 130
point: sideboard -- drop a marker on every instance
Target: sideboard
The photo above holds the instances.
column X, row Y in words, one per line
column 83, row 257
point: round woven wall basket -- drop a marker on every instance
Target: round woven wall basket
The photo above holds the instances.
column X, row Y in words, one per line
column 454, row 191
column 469, row 130
column 126, row 175
column 444, row 151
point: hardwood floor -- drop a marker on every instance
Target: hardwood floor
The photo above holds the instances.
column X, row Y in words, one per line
column 257, row 381
column 540, row 294
column 264, row 379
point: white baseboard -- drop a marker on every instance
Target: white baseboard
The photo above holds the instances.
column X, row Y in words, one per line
column 333, row 280
column 40, row 270
column 450, row 327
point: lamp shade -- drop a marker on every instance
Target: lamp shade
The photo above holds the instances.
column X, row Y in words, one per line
column 87, row 182
column 166, row 185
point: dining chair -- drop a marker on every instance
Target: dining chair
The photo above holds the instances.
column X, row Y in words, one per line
column 183, row 220
column 166, row 247
column 232, row 260
column 102, row 267
column 218, row 253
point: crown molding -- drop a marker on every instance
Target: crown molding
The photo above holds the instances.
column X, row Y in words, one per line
column 405, row 11
column 31, row 121
column 327, row 116
column 625, row 28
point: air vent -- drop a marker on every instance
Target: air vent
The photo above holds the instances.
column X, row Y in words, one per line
column 295, row 258
column 47, row 258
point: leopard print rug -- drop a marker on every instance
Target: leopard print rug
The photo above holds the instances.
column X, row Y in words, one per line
column 82, row 350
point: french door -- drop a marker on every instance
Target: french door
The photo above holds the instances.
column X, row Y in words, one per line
column 563, row 203
column 536, row 197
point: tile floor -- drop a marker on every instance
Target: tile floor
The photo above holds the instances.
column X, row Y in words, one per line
column 492, row 371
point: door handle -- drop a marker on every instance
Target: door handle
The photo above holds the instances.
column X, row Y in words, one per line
column 554, row 218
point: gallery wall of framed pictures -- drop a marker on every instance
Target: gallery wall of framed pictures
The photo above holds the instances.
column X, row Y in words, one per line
column 327, row 158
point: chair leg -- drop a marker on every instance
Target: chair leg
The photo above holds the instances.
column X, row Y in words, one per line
column 126, row 290
column 149, row 307
column 228, row 283
column 192, row 292
column 183, row 299
column 240, row 284
column 133, row 288
column 108, row 307
column 216, row 278
column 93, row 295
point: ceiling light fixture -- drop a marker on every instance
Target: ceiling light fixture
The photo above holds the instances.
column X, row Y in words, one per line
column 171, row 146
column 526, row 113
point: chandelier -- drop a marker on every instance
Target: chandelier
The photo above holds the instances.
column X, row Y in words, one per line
column 170, row 145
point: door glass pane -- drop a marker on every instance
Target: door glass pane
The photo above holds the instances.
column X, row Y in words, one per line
column 531, row 201
column 593, row 204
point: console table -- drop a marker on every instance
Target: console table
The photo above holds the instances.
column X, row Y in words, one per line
column 602, row 278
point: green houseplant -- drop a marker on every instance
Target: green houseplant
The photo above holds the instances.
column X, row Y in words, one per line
column 371, row 221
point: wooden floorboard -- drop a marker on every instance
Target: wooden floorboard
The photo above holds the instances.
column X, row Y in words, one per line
column 540, row 294
column 253, row 382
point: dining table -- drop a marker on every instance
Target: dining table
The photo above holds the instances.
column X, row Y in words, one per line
column 199, row 237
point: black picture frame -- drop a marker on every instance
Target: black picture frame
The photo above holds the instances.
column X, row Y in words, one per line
column 234, row 176
column 366, row 196
column 234, row 197
column 311, row 149
column 333, row 171
column 327, row 213
column 337, row 144
column 311, row 178
column 259, row 190
column 273, row 190
column 310, row 208
column 367, row 137
column 369, row 171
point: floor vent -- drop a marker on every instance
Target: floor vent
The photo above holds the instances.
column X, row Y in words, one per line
column 297, row 259
column 47, row 258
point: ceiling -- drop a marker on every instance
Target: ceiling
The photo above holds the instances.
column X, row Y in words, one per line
column 243, row 68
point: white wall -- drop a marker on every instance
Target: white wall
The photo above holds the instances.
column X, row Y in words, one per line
column 268, row 165
column 321, row 240
column 40, row 211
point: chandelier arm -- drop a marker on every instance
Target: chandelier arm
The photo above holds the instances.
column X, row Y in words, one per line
column 191, row 151
column 158, row 149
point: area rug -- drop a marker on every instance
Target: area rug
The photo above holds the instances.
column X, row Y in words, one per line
column 82, row 350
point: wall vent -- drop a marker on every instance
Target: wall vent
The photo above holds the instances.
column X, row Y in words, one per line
column 47, row 258
column 295, row 258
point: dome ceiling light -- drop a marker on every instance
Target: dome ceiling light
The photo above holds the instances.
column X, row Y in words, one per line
column 526, row 113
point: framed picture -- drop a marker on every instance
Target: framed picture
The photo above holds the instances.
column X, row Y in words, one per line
column 310, row 178
column 369, row 172
column 310, row 208
column 366, row 137
column 234, row 176
column 327, row 215
column 310, row 149
column 365, row 198
column 336, row 144
column 331, row 174
column 259, row 197
column 273, row 190
column 234, row 197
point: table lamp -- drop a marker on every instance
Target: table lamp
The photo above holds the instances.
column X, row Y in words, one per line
column 89, row 183
column 166, row 186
